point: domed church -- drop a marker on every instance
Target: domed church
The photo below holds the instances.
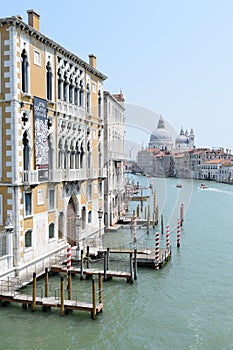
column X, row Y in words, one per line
column 160, row 137
column 184, row 140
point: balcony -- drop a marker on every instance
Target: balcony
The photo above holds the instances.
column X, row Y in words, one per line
column 102, row 173
column 92, row 173
column 74, row 174
column 55, row 175
column 30, row 177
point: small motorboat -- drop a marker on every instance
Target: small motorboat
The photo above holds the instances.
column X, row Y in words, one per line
column 203, row 186
column 179, row 185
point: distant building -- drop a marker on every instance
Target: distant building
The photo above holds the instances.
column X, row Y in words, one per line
column 160, row 138
column 114, row 142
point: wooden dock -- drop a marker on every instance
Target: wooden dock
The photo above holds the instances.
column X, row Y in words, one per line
column 10, row 294
column 109, row 274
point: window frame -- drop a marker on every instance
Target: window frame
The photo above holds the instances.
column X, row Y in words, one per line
column 26, row 214
column 28, row 246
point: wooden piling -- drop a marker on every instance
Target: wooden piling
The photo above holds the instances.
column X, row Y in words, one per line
column 108, row 259
column 135, row 264
column 34, row 293
column 81, row 266
column 100, row 288
column 62, row 312
column 88, row 255
column 148, row 219
column 162, row 224
column 69, row 286
column 131, row 267
column 105, row 266
column 46, row 283
column 145, row 213
column 93, row 314
column 181, row 214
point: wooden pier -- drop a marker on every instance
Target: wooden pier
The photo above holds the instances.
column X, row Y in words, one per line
column 10, row 294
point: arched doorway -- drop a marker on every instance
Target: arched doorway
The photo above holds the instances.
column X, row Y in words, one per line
column 71, row 223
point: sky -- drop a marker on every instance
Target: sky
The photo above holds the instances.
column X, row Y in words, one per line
column 169, row 57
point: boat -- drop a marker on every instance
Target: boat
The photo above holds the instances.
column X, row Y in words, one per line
column 179, row 185
column 203, row 186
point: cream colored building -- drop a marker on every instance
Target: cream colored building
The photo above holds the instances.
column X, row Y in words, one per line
column 51, row 146
column 114, row 121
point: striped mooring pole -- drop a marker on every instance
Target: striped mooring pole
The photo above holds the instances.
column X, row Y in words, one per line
column 181, row 214
column 68, row 260
column 157, row 251
column 168, row 238
column 134, row 226
column 178, row 233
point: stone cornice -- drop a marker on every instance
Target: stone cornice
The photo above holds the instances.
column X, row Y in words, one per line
column 15, row 21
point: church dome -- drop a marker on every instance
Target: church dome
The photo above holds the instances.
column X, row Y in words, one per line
column 182, row 138
column 160, row 137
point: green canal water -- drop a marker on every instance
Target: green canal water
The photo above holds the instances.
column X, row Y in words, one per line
column 187, row 305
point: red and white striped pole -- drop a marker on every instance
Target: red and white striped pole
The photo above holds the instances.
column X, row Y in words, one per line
column 181, row 214
column 157, row 251
column 134, row 226
column 168, row 238
column 68, row 261
column 178, row 233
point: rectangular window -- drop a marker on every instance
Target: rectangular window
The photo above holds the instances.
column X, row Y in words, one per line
column 100, row 189
column 94, row 87
column 37, row 57
column 28, row 239
column 89, row 192
column 0, row 209
column 89, row 217
column 51, row 199
column 28, row 203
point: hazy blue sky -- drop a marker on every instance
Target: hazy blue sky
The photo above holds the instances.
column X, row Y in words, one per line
column 174, row 57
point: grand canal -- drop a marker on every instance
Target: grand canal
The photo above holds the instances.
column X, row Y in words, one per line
column 186, row 305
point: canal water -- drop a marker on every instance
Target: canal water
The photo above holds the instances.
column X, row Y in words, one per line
column 186, row 305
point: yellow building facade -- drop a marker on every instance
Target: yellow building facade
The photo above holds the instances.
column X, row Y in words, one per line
column 51, row 145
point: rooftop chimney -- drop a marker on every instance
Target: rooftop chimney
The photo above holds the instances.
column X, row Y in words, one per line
column 33, row 19
column 92, row 60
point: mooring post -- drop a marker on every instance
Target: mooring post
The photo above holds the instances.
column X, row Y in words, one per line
column 81, row 266
column 100, row 288
column 148, row 218
column 178, row 233
column 141, row 205
column 108, row 259
column 46, row 283
column 181, row 214
column 69, row 286
column 105, row 266
column 88, row 254
column 168, row 238
column 93, row 314
column 62, row 312
column 138, row 210
column 34, row 292
column 131, row 267
column 135, row 264
column 157, row 237
column 134, row 226
column 162, row 224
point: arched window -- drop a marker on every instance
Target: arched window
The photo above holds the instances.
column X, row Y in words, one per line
column 26, row 152
column 71, row 91
column 51, row 230
column 24, row 71
column 99, row 103
column 66, row 84
column 88, row 99
column 76, row 92
column 49, row 76
column 81, row 94
column 60, row 80
column 28, row 239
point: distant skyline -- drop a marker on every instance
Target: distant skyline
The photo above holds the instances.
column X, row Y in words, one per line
column 173, row 57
